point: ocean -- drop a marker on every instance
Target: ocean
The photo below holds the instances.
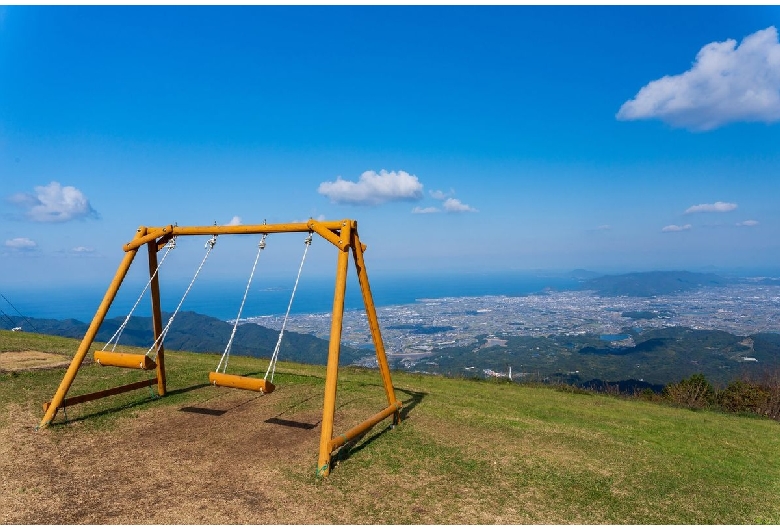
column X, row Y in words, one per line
column 271, row 297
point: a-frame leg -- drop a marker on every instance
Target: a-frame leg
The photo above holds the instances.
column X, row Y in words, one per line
column 373, row 324
column 157, row 326
column 86, row 342
column 332, row 370
column 327, row 443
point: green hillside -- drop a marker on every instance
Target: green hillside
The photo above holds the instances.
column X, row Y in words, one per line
column 467, row 452
column 196, row 333
column 657, row 357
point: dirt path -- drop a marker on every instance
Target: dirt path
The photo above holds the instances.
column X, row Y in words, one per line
column 230, row 460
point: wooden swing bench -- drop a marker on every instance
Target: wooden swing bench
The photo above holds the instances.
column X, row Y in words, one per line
column 125, row 360
column 241, row 382
column 265, row 385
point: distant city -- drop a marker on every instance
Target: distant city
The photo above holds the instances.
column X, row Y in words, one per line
column 413, row 331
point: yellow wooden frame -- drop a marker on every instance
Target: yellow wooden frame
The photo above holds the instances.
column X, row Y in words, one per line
column 342, row 234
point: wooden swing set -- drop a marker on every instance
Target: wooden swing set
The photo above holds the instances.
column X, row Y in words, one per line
column 342, row 234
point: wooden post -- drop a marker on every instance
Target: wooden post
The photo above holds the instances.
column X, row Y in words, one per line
column 332, row 370
column 157, row 316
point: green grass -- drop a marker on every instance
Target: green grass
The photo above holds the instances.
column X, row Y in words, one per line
column 479, row 452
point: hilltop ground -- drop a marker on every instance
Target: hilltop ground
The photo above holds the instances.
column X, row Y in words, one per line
column 466, row 452
column 163, row 466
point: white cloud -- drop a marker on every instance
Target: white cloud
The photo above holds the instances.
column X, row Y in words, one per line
column 455, row 206
column 83, row 250
column 749, row 222
column 374, row 188
column 21, row 244
column 430, row 209
column 449, row 204
column 727, row 83
column 235, row 221
column 54, row 203
column 604, row 227
column 675, row 228
column 440, row 195
column 718, row 207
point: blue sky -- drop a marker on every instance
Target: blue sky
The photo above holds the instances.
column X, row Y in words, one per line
column 460, row 138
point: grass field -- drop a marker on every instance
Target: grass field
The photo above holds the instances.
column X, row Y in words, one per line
column 466, row 452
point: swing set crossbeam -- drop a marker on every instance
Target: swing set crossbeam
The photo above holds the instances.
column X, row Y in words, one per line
column 321, row 227
column 342, row 234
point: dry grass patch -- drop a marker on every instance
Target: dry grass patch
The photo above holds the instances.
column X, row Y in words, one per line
column 14, row 361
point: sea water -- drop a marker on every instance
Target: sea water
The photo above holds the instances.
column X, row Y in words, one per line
column 271, row 297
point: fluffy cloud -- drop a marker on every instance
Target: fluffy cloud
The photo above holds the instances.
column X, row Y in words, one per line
column 749, row 222
column 235, row 221
column 21, row 244
column 455, row 206
column 727, row 83
column 83, row 250
column 675, row 228
column 374, row 188
column 54, row 203
column 430, row 209
column 718, row 207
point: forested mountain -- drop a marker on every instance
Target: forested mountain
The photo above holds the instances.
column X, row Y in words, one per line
column 197, row 333
column 652, row 358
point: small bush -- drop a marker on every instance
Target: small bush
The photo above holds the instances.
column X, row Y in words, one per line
column 770, row 383
column 695, row 392
column 571, row 389
column 647, row 394
column 742, row 396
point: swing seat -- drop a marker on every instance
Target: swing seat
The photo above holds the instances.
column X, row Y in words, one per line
column 124, row 360
column 242, row 382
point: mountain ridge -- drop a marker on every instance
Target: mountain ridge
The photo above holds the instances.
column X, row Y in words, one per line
column 197, row 333
column 655, row 283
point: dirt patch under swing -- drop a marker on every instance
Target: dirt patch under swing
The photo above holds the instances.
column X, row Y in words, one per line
column 230, row 459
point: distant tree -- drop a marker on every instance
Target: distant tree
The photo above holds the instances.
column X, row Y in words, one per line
column 694, row 392
column 742, row 396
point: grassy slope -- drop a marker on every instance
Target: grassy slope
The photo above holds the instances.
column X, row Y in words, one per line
column 477, row 452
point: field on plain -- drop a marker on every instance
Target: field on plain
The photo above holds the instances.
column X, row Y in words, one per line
column 466, row 451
